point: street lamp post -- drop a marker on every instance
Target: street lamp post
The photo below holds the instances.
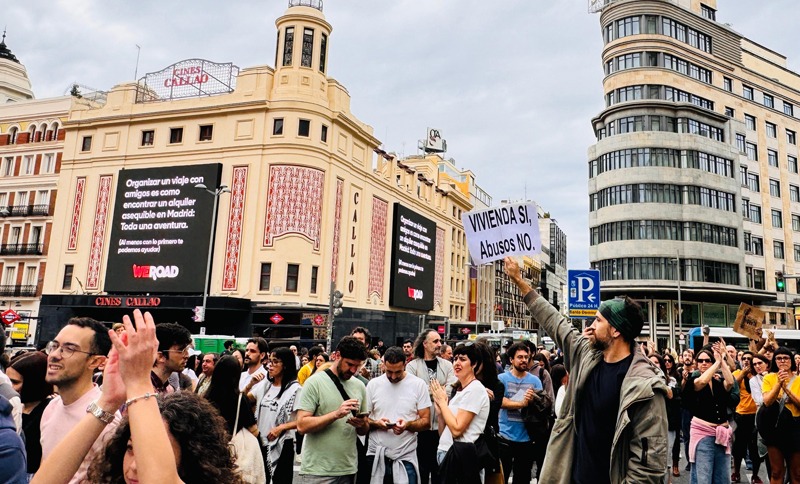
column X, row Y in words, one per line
column 677, row 262
column 216, row 193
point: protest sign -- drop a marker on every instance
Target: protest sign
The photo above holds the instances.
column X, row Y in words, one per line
column 497, row 232
column 749, row 321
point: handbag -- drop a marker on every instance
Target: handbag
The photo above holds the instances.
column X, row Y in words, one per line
column 774, row 419
column 246, row 452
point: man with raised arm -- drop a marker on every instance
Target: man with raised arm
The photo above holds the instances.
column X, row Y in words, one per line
column 614, row 425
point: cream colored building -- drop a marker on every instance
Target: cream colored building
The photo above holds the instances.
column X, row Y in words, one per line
column 695, row 166
column 311, row 199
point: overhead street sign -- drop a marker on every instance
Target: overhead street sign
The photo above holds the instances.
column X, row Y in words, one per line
column 9, row 317
column 584, row 293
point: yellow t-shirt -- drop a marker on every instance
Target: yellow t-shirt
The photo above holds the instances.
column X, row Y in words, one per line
column 771, row 379
column 304, row 372
column 747, row 406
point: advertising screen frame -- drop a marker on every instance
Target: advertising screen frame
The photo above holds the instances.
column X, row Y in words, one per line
column 413, row 276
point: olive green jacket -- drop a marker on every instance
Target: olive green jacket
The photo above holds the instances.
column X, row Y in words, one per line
column 639, row 449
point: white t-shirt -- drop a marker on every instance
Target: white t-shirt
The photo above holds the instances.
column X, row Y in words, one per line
column 394, row 401
column 267, row 408
column 562, row 392
column 472, row 399
column 245, row 378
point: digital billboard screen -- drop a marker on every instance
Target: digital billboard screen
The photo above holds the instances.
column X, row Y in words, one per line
column 413, row 260
column 160, row 230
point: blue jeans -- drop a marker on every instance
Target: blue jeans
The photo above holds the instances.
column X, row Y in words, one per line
column 711, row 464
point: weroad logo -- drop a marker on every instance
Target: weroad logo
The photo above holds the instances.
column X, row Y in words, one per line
column 415, row 293
column 155, row 272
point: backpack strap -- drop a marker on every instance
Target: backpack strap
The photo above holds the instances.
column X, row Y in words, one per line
column 339, row 387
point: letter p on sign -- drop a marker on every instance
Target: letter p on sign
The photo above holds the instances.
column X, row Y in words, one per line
column 584, row 293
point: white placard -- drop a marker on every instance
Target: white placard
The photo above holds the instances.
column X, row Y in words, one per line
column 497, row 232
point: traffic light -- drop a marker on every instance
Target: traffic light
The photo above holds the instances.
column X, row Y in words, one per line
column 336, row 302
column 780, row 283
column 199, row 314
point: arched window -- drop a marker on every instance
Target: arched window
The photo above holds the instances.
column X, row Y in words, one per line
column 32, row 133
column 54, row 129
column 12, row 135
column 41, row 135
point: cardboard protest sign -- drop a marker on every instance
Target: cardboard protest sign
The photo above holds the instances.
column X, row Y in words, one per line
column 749, row 321
column 497, row 232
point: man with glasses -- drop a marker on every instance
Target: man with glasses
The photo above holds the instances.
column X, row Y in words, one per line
column 173, row 352
column 72, row 357
column 744, row 436
column 428, row 365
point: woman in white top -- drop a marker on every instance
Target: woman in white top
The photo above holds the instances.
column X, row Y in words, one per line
column 276, row 414
column 464, row 417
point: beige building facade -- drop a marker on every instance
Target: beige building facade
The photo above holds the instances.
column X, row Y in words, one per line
column 309, row 200
column 694, row 176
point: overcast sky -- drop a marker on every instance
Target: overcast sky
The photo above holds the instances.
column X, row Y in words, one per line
column 511, row 84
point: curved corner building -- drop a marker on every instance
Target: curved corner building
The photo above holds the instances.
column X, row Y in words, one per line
column 694, row 190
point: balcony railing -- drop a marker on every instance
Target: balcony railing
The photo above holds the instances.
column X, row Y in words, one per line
column 20, row 249
column 17, row 291
column 306, row 3
column 25, row 210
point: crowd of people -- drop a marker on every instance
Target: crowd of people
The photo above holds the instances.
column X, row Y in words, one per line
column 138, row 404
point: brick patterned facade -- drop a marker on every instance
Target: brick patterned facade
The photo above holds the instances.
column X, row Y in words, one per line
column 77, row 204
column 337, row 228
column 377, row 247
column 294, row 203
column 99, row 232
column 233, row 243
column 438, row 284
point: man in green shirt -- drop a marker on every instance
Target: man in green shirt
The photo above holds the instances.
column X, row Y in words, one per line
column 329, row 421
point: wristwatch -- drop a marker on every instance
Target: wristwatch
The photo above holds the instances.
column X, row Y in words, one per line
column 101, row 414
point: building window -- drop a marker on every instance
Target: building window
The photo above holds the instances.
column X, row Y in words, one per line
column 777, row 219
column 740, row 142
column 750, row 121
column 266, row 274
column 747, row 92
column 28, row 165
column 304, row 128
column 769, row 101
column 288, row 46
column 8, row 166
column 772, row 130
column 791, row 137
column 796, row 253
column 729, row 112
column 175, row 135
column 314, row 273
column 323, row 52
column 796, row 222
column 777, row 249
column 758, row 279
column 49, row 163
column 86, row 144
column 308, row 47
column 66, row 283
column 277, row 127
column 753, row 182
column 708, row 12
column 758, row 246
column 792, row 162
column 727, row 84
column 794, row 193
column 775, row 188
column 752, row 151
column 788, row 108
column 292, row 275
column 772, row 158
column 323, row 136
column 148, row 137
column 755, row 214
column 206, row 132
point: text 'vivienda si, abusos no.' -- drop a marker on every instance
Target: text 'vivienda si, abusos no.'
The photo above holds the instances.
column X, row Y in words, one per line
column 497, row 232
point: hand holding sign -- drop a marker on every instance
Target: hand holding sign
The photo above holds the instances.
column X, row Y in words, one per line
column 497, row 232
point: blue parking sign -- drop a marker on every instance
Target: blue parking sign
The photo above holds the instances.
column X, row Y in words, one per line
column 584, row 293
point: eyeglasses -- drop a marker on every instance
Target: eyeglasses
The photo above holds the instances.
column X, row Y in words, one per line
column 185, row 350
column 755, row 363
column 466, row 343
column 783, row 358
column 747, row 359
column 703, row 360
column 275, row 362
column 67, row 350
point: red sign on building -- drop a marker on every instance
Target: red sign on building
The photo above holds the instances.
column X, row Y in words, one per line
column 276, row 318
column 318, row 320
column 9, row 317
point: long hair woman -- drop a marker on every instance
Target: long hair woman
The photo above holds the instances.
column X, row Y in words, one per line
column 782, row 387
column 463, row 418
column 223, row 393
column 673, row 407
column 276, row 415
column 27, row 372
